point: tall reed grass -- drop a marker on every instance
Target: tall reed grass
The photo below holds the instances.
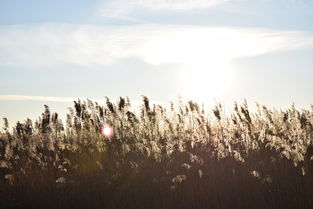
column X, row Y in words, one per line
column 180, row 157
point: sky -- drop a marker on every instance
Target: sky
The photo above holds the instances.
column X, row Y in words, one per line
column 53, row 52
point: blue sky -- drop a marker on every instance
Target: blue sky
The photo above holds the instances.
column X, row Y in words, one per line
column 52, row 52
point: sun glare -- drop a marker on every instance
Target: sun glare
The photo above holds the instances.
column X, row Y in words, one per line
column 204, row 81
column 107, row 131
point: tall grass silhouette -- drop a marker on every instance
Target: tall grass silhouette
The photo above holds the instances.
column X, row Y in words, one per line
column 180, row 157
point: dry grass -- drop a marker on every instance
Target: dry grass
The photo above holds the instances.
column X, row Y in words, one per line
column 180, row 157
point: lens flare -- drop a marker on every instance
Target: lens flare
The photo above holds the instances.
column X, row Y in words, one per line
column 107, row 131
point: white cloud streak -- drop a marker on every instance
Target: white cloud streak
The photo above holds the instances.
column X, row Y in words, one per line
column 36, row 98
column 97, row 46
column 122, row 8
column 127, row 9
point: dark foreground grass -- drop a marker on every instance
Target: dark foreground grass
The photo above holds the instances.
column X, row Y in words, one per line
column 182, row 157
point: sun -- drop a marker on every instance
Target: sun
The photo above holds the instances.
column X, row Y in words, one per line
column 205, row 81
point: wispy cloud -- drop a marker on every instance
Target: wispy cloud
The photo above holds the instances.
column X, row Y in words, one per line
column 122, row 8
column 36, row 98
column 98, row 46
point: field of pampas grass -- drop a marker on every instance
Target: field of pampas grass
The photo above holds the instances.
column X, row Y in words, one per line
column 181, row 157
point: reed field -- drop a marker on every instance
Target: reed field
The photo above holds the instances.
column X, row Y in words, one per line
column 183, row 156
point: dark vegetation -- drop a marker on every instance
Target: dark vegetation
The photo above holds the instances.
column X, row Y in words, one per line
column 181, row 157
